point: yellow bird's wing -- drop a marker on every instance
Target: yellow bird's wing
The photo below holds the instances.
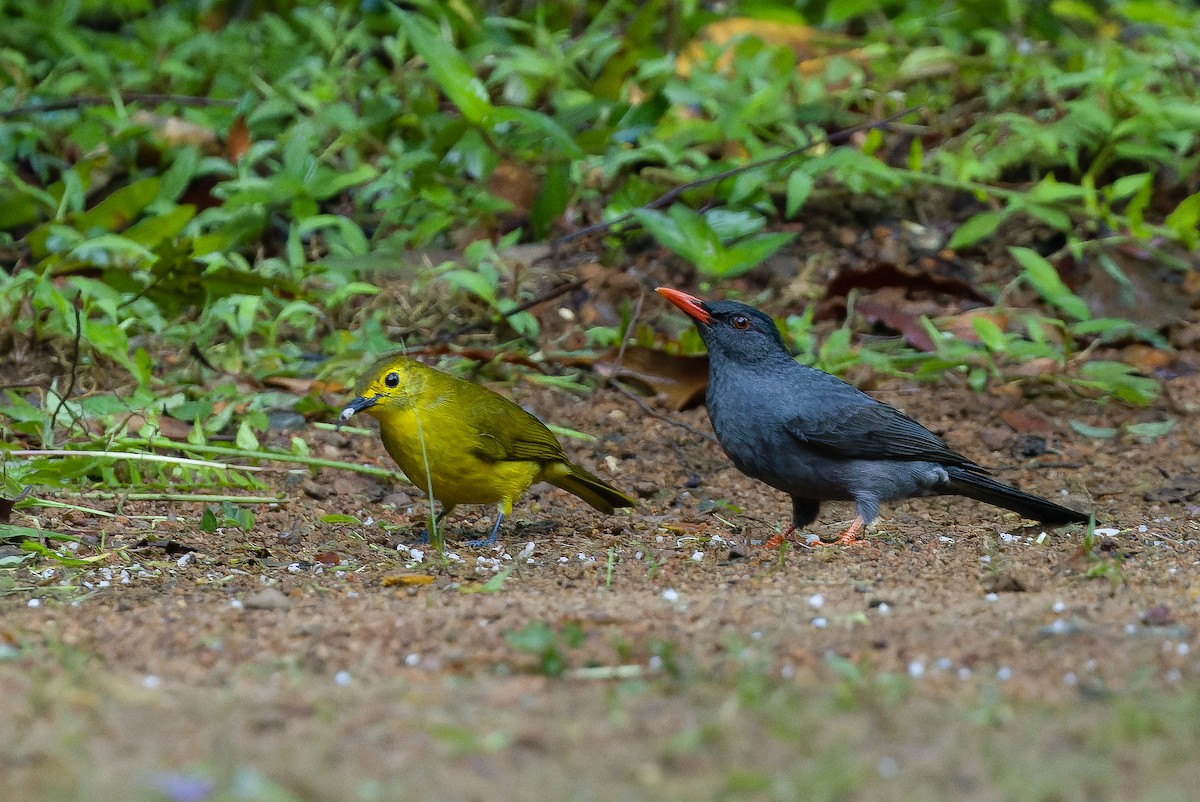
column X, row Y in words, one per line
column 505, row 431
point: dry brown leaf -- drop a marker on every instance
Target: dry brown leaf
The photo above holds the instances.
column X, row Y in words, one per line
column 237, row 142
column 297, row 385
column 405, row 580
column 175, row 131
column 678, row 381
column 812, row 46
column 1027, row 420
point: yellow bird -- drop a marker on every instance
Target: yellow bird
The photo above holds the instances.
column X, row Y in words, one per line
column 467, row 444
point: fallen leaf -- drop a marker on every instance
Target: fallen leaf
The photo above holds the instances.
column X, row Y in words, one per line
column 678, row 381
column 813, row 47
column 1027, row 420
column 237, row 141
column 876, row 309
column 405, row 580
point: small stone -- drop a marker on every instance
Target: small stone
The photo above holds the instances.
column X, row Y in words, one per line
column 645, row 489
column 315, row 490
column 397, row 500
column 266, row 599
column 1158, row 616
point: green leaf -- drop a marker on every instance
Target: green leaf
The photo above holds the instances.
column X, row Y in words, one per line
column 975, row 229
column 989, row 334
column 450, row 70
column 747, row 255
column 338, row 518
column 120, row 208
column 552, row 199
column 1151, row 430
column 1184, row 220
column 1044, row 278
column 245, row 437
column 1097, row 432
column 799, row 187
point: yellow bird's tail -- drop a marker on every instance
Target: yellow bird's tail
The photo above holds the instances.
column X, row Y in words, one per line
column 592, row 489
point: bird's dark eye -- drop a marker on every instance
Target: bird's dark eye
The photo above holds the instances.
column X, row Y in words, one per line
column 740, row 322
column 392, row 379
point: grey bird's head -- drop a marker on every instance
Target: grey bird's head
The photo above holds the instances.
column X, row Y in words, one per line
column 732, row 331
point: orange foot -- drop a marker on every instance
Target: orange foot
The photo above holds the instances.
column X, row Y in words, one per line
column 848, row 538
column 777, row 539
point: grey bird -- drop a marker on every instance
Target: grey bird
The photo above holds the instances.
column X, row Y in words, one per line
column 816, row 438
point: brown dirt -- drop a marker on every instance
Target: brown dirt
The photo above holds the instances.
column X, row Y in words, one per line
column 940, row 661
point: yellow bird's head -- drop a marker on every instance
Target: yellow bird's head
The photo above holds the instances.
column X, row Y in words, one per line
column 387, row 383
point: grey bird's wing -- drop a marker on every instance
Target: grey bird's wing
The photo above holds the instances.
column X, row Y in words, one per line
column 857, row 429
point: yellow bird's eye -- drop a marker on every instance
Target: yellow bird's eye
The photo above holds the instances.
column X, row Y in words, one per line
column 740, row 322
column 392, row 379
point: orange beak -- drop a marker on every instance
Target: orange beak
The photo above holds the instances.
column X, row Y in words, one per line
column 690, row 305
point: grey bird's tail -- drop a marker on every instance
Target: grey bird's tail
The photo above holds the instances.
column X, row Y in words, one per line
column 984, row 488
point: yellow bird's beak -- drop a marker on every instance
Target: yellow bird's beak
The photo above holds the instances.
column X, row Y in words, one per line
column 357, row 405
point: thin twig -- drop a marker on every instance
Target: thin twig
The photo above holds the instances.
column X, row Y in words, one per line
column 127, row 97
column 671, row 194
column 649, row 410
column 549, row 295
column 62, row 399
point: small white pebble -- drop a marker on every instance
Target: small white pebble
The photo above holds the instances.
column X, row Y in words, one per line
column 352, row 594
column 697, row 556
column 756, row 635
column 1070, row 679
column 658, row 539
column 987, row 558
column 991, row 597
column 964, row 673
column 816, row 601
column 185, row 559
column 1004, row 673
column 943, row 664
column 1174, row 675
column 294, row 568
column 151, row 683
column 884, row 608
column 412, row 660
column 637, row 555
column 916, row 669
column 1058, row 606
column 417, row 555
column 671, row 595
column 945, row 539
column 888, row 768
column 1172, row 570
column 1107, row 531
column 563, row 560
column 342, row 679
column 526, row 552
column 236, row 604
column 654, row 663
column 1182, row 649
column 1058, row 627
column 820, row 622
column 1007, row 538
column 788, row 671
column 1143, row 528
column 1130, row 629
column 34, row 602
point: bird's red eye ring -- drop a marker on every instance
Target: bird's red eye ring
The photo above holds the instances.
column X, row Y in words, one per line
column 740, row 322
